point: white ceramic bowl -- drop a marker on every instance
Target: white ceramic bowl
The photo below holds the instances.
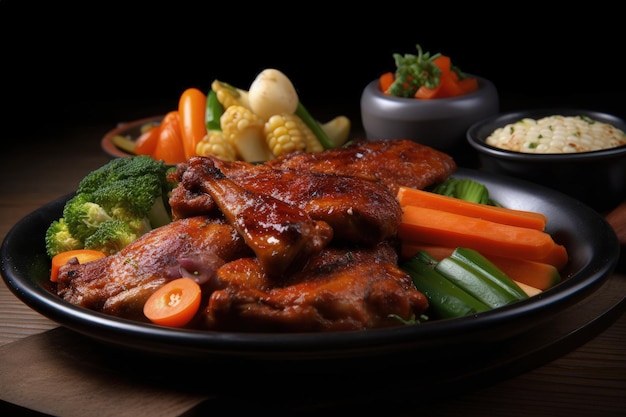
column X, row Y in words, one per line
column 440, row 123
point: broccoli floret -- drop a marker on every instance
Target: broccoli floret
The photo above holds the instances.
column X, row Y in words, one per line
column 465, row 189
column 135, row 195
column 133, row 191
column 133, row 200
column 59, row 238
column 83, row 216
column 132, row 187
column 123, row 168
column 111, row 237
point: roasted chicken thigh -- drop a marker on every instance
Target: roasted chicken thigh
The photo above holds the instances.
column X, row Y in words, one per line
column 337, row 289
column 359, row 211
column 121, row 283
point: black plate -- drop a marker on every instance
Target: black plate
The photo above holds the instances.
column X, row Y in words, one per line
column 592, row 245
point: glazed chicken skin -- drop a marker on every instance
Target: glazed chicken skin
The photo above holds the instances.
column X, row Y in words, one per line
column 338, row 289
column 280, row 234
column 391, row 162
column 358, row 210
column 120, row 284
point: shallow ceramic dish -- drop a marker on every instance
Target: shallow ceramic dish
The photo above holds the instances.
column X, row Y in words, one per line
column 130, row 130
column 440, row 123
column 597, row 178
column 590, row 241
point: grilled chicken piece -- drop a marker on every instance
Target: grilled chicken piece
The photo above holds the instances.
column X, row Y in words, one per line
column 392, row 162
column 121, row 283
column 350, row 283
column 359, row 211
column 280, row 234
column 338, row 289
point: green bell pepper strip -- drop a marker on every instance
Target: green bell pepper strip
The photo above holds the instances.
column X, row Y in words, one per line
column 446, row 300
column 213, row 111
column 474, row 282
column 489, row 270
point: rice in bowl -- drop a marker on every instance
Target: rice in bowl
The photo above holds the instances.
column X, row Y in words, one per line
column 557, row 134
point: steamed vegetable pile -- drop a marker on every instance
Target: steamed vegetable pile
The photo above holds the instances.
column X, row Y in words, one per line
column 254, row 125
column 426, row 76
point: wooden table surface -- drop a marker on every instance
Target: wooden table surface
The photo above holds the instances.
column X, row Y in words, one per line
column 581, row 371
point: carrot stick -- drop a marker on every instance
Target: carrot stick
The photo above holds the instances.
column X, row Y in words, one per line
column 385, row 81
column 410, row 249
column 424, row 225
column 539, row 275
column 556, row 256
column 414, row 197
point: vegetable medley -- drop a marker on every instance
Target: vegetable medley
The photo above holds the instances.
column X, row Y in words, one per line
column 254, row 125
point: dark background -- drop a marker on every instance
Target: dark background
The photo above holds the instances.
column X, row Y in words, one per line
column 65, row 63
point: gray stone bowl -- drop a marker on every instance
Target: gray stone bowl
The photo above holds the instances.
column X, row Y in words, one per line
column 439, row 123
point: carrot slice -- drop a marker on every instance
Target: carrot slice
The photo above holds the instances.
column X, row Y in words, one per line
column 538, row 275
column 420, row 198
column 425, row 225
column 83, row 256
column 174, row 304
column 385, row 81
